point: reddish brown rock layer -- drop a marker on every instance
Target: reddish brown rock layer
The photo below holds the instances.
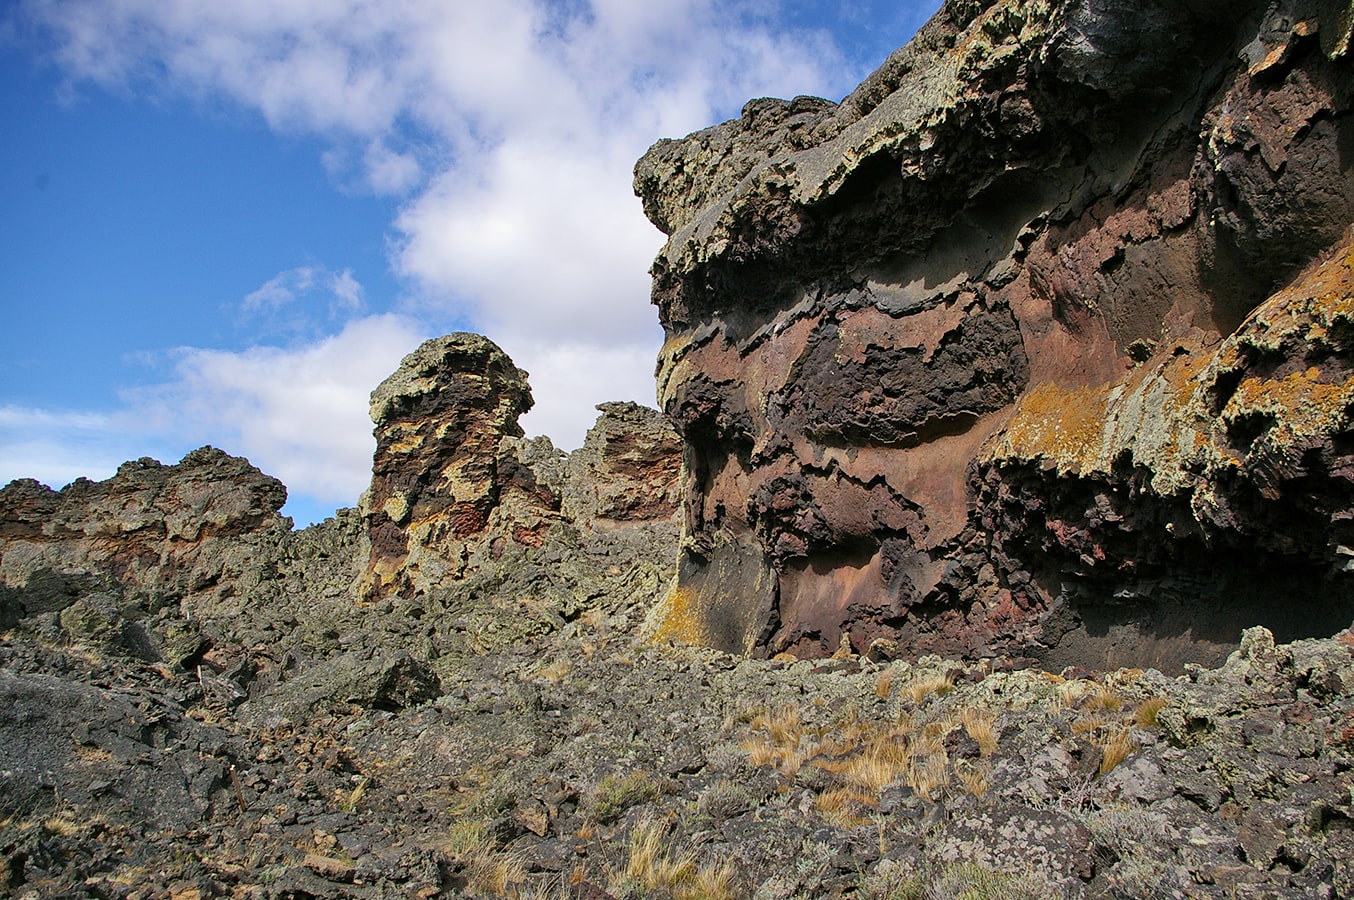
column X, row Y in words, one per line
column 455, row 486
column 440, row 421
column 898, row 325
column 183, row 533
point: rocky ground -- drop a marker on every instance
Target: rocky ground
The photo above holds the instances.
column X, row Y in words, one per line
column 513, row 745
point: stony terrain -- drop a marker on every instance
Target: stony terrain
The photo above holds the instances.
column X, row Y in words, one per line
column 1012, row 455
column 197, row 701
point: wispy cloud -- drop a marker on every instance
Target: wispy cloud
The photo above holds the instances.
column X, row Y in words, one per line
column 340, row 289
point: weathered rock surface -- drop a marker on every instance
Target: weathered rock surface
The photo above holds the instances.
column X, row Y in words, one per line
column 440, row 420
column 455, row 484
column 199, row 535
column 1034, row 345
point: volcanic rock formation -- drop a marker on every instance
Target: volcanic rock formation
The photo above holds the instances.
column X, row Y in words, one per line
column 198, row 535
column 455, row 483
column 1038, row 343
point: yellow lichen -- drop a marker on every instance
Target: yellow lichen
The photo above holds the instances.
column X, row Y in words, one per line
column 678, row 620
column 1058, row 423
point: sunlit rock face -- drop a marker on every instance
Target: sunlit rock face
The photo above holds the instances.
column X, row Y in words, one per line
column 1034, row 345
column 441, row 420
column 458, row 492
column 202, row 535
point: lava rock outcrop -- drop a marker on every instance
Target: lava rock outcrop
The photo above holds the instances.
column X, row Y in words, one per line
column 455, row 484
column 197, row 534
column 1034, row 345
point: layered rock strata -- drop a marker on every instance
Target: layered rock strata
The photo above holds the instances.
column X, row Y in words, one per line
column 455, row 484
column 1032, row 345
column 197, row 534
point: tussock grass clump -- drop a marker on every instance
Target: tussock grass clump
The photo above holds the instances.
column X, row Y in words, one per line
column 617, row 793
column 974, row 778
column 776, row 740
column 1115, row 748
column 484, row 868
column 922, row 686
column 1145, row 716
column 980, row 725
column 883, row 685
column 846, row 807
column 654, row 869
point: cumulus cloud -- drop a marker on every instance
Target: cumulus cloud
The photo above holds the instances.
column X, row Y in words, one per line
column 506, row 131
column 299, row 414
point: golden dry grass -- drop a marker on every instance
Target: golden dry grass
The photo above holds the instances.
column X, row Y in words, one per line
column 883, row 685
column 928, row 773
column 62, row 825
column 879, row 764
column 922, row 686
column 980, row 726
column 975, row 778
column 1105, row 698
column 1116, row 747
column 486, row 869
column 710, row 883
column 648, row 862
column 1145, row 716
column 847, row 807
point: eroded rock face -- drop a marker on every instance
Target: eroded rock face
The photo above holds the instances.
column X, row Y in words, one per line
column 196, row 534
column 455, row 484
column 965, row 360
column 441, row 419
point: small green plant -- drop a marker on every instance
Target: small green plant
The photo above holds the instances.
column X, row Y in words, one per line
column 724, row 799
column 617, row 793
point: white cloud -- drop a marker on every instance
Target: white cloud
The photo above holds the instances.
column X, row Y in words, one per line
column 57, row 446
column 569, row 380
column 299, row 414
column 508, row 132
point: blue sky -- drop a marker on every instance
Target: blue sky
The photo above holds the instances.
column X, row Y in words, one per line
column 225, row 223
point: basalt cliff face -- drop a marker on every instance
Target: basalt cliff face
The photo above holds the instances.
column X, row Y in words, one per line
column 1037, row 344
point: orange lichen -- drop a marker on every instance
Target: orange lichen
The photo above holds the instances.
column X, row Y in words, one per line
column 1051, row 421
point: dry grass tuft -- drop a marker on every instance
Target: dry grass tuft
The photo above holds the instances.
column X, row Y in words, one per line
column 555, row 671
column 1104, row 698
column 883, row 685
column 649, row 864
column 1145, row 716
column 975, row 778
column 486, row 869
column 919, row 688
column 711, row 883
column 62, row 825
column 928, row 772
column 1116, row 748
column 880, row 763
column 617, row 793
column 846, row 807
column 980, row 726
